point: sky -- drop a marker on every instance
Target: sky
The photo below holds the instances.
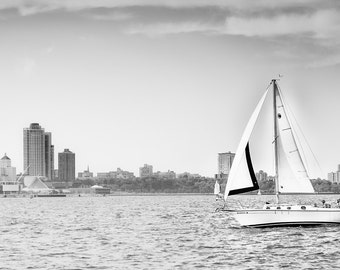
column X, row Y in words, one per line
column 169, row 83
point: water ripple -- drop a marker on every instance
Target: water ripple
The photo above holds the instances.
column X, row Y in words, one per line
column 153, row 232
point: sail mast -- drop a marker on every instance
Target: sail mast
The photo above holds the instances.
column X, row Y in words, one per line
column 276, row 161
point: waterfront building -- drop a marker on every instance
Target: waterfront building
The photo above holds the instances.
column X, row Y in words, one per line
column 119, row 173
column 35, row 184
column 85, row 174
column 38, row 150
column 7, row 172
column 8, row 183
column 66, row 166
column 146, row 170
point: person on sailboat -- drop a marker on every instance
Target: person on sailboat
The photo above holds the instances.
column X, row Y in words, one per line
column 325, row 204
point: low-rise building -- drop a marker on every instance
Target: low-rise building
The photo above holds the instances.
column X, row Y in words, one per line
column 119, row 173
column 85, row 174
column 8, row 178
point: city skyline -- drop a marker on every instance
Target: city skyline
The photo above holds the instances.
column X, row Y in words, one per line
column 167, row 83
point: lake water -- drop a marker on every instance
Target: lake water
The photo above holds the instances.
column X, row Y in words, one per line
column 154, row 232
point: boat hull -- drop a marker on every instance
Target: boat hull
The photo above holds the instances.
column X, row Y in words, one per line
column 285, row 217
column 50, row 195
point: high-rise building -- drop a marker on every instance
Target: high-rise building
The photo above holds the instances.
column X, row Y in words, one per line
column 52, row 163
column 66, row 166
column 48, row 154
column 146, row 170
column 225, row 160
column 34, row 150
column 38, row 151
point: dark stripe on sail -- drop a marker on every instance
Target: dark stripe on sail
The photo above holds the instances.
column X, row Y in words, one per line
column 252, row 176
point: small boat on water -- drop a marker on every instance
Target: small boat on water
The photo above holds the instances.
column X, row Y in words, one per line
column 291, row 176
column 50, row 195
column 217, row 191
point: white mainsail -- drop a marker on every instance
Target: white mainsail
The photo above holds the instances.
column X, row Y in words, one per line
column 292, row 174
column 239, row 177
column 217, row 188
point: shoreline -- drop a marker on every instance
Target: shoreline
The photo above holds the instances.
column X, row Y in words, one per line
column 149, row 194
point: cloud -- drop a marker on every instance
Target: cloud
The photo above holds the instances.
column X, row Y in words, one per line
column 28, row 66
column 29, row 7
column 110, row 15
column 48, row 50
column 321, row 24
column 160, row 29
column 302, row 27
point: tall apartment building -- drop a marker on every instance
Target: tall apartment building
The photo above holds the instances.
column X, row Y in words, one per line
column 146, row 170
column 225, row 160
column 38, row 151
column 66, row 166
column 52, row 163
column 48, row 154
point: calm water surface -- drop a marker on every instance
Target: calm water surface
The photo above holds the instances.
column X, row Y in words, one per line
column 154, row 232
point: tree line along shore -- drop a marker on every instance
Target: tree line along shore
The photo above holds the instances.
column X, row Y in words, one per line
column 154, row 184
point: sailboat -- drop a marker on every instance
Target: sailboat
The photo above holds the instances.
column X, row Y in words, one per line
column 291, row 176
column 217, row 191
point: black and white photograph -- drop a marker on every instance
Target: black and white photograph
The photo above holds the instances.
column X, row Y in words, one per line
column 169, row 134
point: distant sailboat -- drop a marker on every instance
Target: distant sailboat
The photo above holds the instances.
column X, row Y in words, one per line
column 217, row 191
column 217, row 188
column 290, row 176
